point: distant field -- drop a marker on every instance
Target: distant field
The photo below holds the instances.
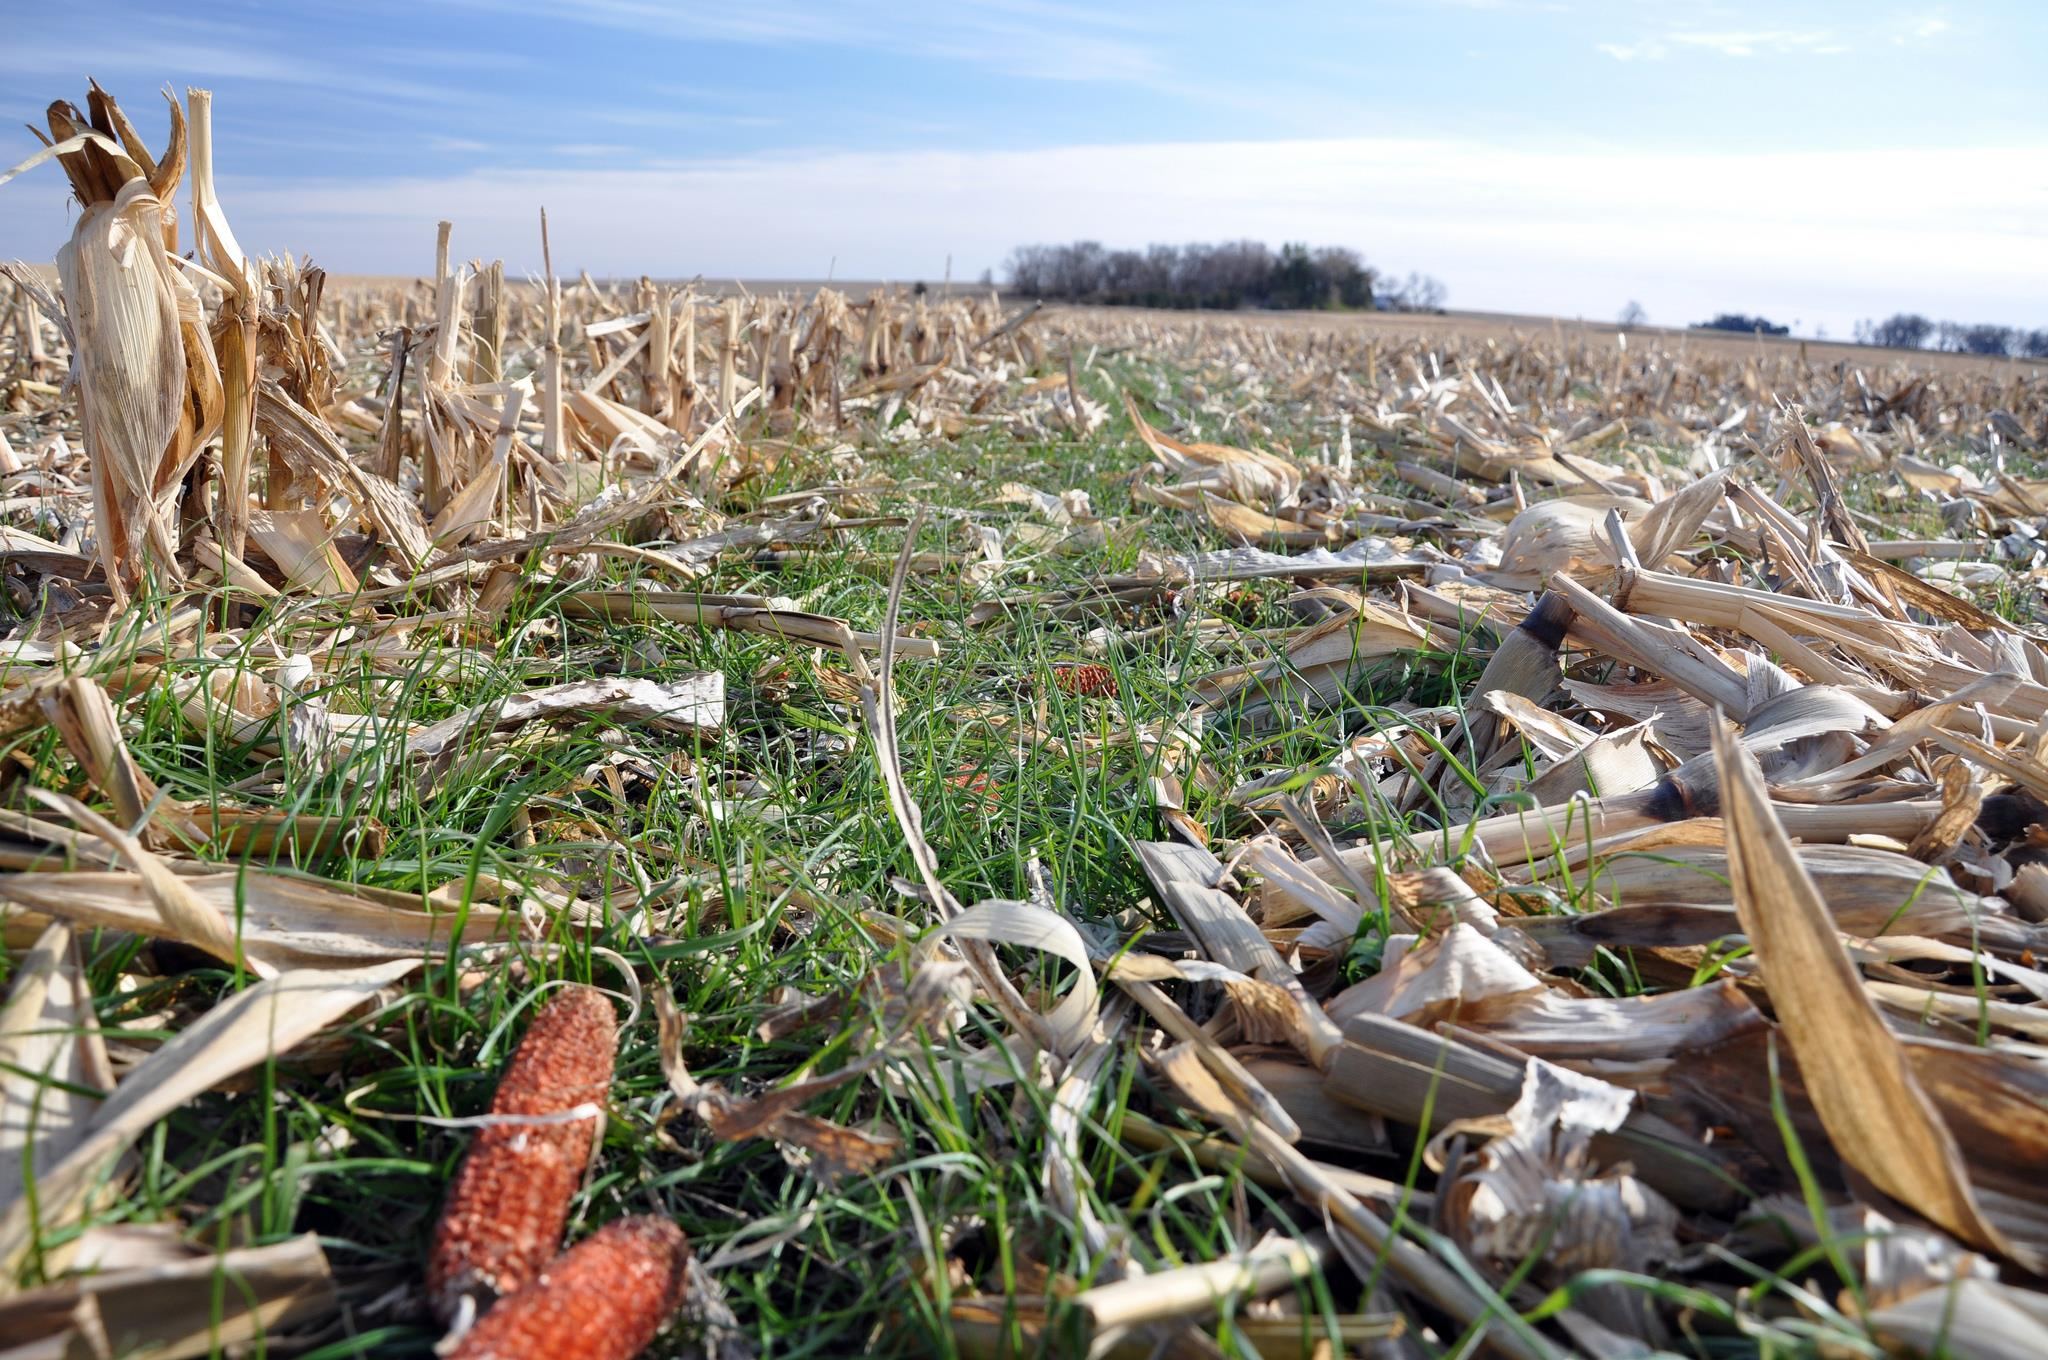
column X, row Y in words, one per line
column 1394, row 325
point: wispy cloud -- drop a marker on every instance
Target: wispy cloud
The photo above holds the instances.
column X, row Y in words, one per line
column 1041, row 39
column 680, row 119
column 1539, row 6
column 1742, row 31
column 1649, row 49
column 150, row 55
column 1919, row 28
column 1729, row 43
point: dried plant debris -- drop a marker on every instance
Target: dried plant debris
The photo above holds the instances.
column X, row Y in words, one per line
column 1144, row 833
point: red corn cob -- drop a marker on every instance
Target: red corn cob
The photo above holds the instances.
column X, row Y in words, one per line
column 977, row 783
column 603, row 1299
column 510, row 1201
column 1084, row 678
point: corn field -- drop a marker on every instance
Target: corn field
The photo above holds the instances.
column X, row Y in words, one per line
column 1101, row 832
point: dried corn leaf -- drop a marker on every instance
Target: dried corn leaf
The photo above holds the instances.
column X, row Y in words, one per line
column 181, row 913
column 51, row 1055
column 192, row 1306
column 254, row 1026
column 1880, row 1119
column 280, row 922
column 303, row 546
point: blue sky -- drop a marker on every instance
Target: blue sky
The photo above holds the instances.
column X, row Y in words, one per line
column 1813, row 161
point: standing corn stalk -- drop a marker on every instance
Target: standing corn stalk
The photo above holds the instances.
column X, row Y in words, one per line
column 551, row 446
column 234, row 330
column 149, row 387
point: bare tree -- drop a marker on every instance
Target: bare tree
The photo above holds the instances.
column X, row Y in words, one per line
column 1417, row 293
column 1345, row 275
column 1230, row 274
column 1901, row 330
column 1736, row 321
column 1987, row 339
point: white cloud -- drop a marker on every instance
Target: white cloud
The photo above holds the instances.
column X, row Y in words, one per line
column 1910, row 30
column 1728, row 43
column 1649, row 49
column 1813, row 235
column 1741, row 43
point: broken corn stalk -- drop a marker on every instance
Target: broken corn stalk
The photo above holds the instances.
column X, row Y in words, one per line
column 505, row 1213
column 603, row 1299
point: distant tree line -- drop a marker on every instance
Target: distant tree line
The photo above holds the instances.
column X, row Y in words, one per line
column 1736, row 321
column 1228, row 275
column 1910, row 330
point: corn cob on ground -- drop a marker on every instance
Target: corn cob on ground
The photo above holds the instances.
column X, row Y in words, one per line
column 505, row 1213
column 603, row 1299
